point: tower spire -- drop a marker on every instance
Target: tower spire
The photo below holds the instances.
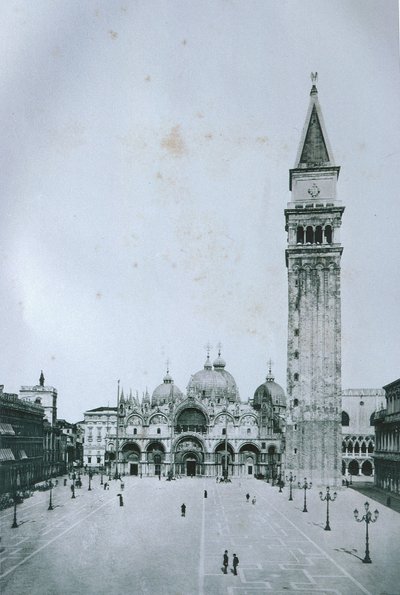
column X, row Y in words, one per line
column 314, row 148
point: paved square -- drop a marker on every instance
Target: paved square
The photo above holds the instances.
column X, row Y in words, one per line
column 93, row 545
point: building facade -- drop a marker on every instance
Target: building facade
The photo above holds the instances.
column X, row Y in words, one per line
column 387, row 432
column 21, row 443
column 358, row 431
column 207, row 432
column 55, row 441
column 313, row 255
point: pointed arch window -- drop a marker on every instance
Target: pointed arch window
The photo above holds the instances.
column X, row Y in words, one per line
column 318, row 234
column 345, row 419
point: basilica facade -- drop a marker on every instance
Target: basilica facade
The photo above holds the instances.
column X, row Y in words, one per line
column 208, row 431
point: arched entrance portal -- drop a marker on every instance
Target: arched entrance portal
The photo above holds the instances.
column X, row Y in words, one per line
column 131, row 458
column 249, row 458
column 189, row 457
column 155, row 458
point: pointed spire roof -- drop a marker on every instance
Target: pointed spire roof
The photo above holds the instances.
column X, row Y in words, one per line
column 314, row 149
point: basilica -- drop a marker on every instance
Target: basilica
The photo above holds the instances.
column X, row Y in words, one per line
column 208, row 431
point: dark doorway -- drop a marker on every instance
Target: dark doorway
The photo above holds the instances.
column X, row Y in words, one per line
column 157, row 469
column 134, row 469
column 190, row 468
column 249, row 470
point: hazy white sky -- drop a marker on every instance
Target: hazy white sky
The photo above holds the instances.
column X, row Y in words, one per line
column 144, row 157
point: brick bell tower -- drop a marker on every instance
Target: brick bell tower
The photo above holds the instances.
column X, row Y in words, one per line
column 313, row 220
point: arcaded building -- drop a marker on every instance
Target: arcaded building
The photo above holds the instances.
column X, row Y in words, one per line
column 358, row 431
column 208, row 431
column 387, row 430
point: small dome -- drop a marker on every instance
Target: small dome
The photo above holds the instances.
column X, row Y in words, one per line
column 166, row 392
column 261, row 396
column 269, row 391
column 219, row 363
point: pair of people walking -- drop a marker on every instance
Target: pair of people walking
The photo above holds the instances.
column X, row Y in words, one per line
column 248, row 498
column 225, row 563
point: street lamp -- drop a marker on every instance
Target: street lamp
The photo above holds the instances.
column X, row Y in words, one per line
column 15, row 524
column 367, row 517
column 90, row 481
column 101, row 476
column 51, row 496
column 306, row 486
column 329, row 498
column 290, row 479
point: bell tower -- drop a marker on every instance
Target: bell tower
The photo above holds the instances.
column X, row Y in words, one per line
column 313, row 254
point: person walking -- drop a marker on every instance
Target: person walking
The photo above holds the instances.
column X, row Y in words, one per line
column 247, row 497
column 225, row 562
column 205, row 493
column 235, row 564
column 183, row 510
column 254, row 500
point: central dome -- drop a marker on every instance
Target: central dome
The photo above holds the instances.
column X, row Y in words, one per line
column 214, row 383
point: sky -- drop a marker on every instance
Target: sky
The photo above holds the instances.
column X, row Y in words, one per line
column 144, row 163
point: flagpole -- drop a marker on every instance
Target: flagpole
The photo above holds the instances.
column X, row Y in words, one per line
column 117, row 441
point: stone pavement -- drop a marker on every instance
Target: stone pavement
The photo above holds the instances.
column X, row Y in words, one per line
column 92, row 545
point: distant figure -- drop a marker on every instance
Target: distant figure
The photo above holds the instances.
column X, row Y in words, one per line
column 225, row 561
column 105, row 485
column 254, row 500
column 247, row 497
column 183, row 510
column 41, row 379
column 235, row 564
column 205, row 493
column 121, row 500
column 217, row 479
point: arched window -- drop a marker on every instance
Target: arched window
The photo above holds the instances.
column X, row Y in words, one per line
column 309, row 235
column 370, row 447
column 356, row 448
column 343, row 446
column 300, row 235
column 350, row 447
column 328, row 234
column 345, row 419
column 363, row 448
column 371, row 419
column 318, row 234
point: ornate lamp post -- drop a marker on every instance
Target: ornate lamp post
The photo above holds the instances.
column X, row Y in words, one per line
column 101, row 475
column 306, row 486
column 367, row 517
column 15, row 524
column 329, row 498
column 290, row 479
column 51, row 507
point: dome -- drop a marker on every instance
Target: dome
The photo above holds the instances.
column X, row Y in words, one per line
column 166, row 392
column 214, row 383
column 261, row 396
column 270, row 390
